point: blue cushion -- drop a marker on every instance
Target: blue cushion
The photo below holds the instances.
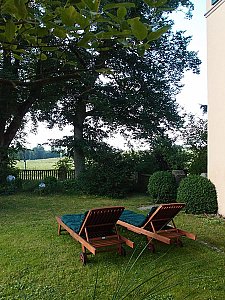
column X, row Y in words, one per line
column 132, row 218
column 74, row 222
column 136, row 219
column 152, row 210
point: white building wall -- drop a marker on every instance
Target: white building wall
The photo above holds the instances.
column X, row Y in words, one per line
column 216, row 97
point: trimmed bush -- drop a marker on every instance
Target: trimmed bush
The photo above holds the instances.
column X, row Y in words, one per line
column 72, row 186
column 106, row 180
column 199, row 194
column 52, row 186
column 162, row 187
column 30, row 185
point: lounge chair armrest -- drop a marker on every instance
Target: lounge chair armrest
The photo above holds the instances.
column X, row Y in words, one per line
column 189, row 235
column 128, row 242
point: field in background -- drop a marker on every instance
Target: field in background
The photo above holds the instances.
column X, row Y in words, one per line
column 38, row 164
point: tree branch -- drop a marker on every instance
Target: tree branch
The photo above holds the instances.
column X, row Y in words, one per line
column 41, row 81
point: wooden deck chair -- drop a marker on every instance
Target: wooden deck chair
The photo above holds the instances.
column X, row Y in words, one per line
column 95, row 229
column 158, row 225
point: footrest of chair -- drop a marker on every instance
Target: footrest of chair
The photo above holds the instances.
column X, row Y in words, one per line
column 105, row 242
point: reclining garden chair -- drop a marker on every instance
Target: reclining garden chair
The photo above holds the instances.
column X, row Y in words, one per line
column 157, row 225
column 95, row 229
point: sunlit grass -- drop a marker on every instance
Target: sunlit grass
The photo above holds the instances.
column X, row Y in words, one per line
column 38, row 164
column 38, row 264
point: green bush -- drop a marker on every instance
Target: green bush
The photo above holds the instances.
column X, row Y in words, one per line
column 105, row 181
column 72, row 186
column 108, row 173
column 162, row 187
column 50, row 185
column 11, row 186
column 30, row 185
column 8, row 170
column 63, row 166
column 199, row 194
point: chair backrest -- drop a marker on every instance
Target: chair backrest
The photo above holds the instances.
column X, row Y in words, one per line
column 162, row 216
column 101, row 221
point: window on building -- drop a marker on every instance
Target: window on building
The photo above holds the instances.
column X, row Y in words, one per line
column 214, row 1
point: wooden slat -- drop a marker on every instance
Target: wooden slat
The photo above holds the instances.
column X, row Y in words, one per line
column 105, row 243
column 102, row 216
column 77, row 237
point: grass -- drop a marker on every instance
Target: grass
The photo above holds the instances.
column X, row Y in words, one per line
column 38, row 264
column 38, row 164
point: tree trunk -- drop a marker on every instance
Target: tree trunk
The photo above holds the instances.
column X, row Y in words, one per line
column 78, row 123
column 12, row 109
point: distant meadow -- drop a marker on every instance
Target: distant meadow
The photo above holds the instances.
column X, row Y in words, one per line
column 38, row 164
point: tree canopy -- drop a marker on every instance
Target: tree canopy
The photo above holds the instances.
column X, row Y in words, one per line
column 137, row 96
column 36, row 32
column 45, row 43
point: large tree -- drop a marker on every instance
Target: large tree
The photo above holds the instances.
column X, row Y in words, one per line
column 36, row 36
column 138, row 95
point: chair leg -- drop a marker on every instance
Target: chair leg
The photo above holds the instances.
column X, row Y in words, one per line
column 179, row 243
column 151, row 246
column 83, row 255
column 59, row 229
column 83, row 258
column 121, row 250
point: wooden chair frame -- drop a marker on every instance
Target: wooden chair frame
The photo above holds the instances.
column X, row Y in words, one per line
column 98, row 230
column 153, row 228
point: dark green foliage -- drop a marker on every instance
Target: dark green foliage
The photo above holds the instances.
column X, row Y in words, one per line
column 52, row 185
column 72, row 186
column 63, row 166
column 7, row 164
column 64, row 163
column 164, row 155
column 11, row 187
column 194, row 135
column 199, row 194
column 98, row 181
column 162, row 187
column 199, row 163
column 146, row 163
column 139, row 97
column 7, row 168
column 107, row 180
column 168, row 155
column 50, row 180
column 5, row 171
column 30, row 185
column 109, row 172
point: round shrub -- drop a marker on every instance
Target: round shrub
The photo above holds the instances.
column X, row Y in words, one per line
column 199, row 194
column 52, row 185
column 162, row 187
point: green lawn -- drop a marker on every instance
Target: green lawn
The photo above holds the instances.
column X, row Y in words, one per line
column 38, row 264
column 38, row 164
